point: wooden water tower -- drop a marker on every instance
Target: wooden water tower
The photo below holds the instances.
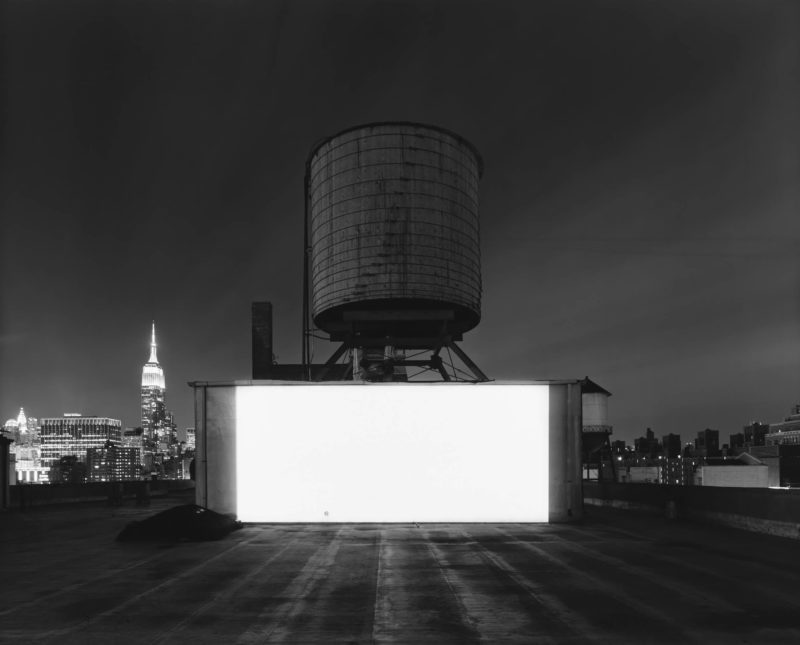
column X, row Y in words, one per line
column 392, row 247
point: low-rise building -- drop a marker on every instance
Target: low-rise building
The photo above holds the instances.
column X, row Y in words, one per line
column 785, row 432
column 783, row 461
column 642, row 475
column 744, row 471
column 679, row 471
column 755, row 433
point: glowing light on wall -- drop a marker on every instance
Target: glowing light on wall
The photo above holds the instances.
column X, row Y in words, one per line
column 392, row 453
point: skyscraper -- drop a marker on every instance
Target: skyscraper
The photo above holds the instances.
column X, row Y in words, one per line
column 153, row 389
column 154, row 412
column 159, row 438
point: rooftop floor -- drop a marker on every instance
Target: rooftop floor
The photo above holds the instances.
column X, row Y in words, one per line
column 614, row 577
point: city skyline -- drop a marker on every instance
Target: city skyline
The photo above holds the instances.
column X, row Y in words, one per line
column 78, row 447
column 638, row 207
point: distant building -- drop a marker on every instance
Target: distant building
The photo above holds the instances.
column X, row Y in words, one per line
column 744, row 471
column 647, row 446
column 707, row 443
column 783, row 461
column 28, row 464
column 153, row 391
column 755, row 433
column 112, row 462
column 785, row 432
column 679, row 471
column 672, row 445
column 643, row 475
column 168, row 434
column 133, row 438
column 18, row 426
column 22, row 430
column 68, row 470
column 73, row 435
column 159, row 430
column 737, row 442
column 190, row 439
column 26, row 448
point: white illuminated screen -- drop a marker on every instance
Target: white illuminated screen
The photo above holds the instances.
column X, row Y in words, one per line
column 392, row 453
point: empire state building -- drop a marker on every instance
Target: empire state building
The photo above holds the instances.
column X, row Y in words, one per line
column 154, row 413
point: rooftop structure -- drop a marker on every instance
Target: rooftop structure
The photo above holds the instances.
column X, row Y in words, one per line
column 786, row 431
column 393, row 249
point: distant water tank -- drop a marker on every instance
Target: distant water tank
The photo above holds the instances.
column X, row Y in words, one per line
column 594, row 400
column 393, row 230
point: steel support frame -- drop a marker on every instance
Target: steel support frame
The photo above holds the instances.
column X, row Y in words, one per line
column 434, row 362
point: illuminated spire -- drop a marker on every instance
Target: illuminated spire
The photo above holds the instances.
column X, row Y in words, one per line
column 152, row 373
column 153, row 357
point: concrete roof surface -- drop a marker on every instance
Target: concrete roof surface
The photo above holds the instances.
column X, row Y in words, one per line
column 615, row 577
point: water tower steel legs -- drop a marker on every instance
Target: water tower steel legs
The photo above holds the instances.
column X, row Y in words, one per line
column 388, row 363
column 467, row 361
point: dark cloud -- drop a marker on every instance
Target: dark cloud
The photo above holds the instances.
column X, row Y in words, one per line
column 638, row 206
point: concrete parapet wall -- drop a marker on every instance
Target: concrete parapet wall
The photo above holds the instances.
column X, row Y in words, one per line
column 764, row 510
column 26, row 495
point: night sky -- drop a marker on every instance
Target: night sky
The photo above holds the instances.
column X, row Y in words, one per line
column 639, row 206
